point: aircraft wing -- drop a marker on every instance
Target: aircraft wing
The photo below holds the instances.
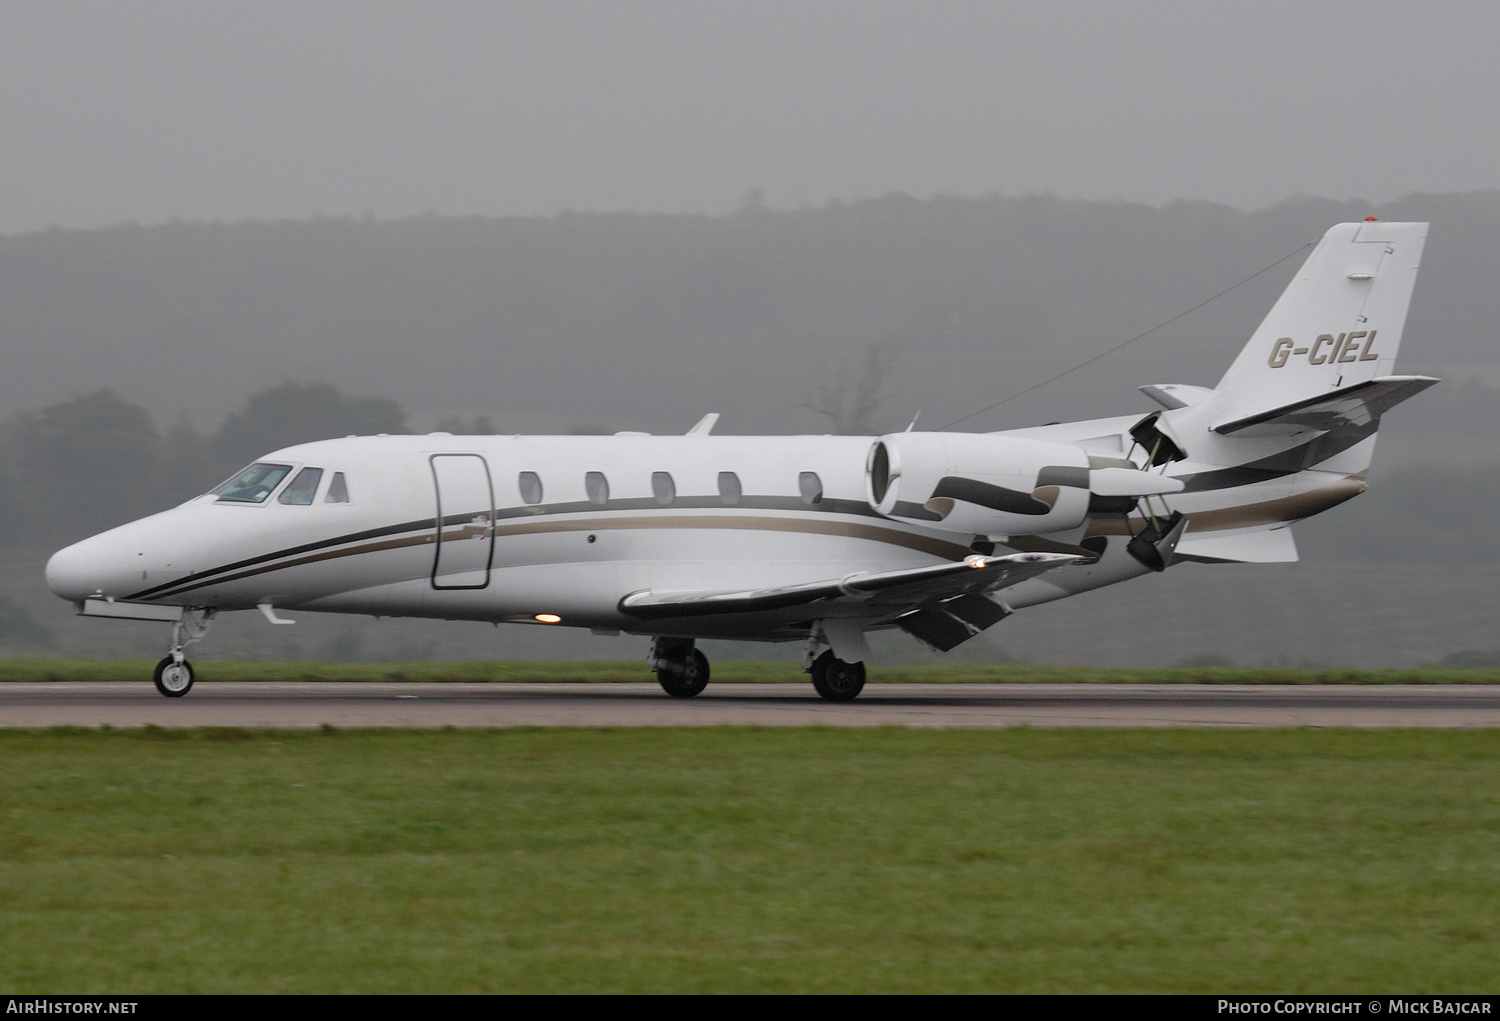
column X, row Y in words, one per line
column 954, row 590
column 1357, row 404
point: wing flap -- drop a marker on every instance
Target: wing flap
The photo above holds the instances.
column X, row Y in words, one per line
column 878, row 591
column 948, row 623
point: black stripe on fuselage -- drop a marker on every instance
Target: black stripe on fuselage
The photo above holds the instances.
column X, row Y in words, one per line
column 1293, row 459
column 426, row 526
column 291, row 551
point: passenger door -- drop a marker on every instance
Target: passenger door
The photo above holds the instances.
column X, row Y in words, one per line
column 465, row 521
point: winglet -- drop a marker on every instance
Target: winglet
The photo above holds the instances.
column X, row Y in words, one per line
column 705, row 425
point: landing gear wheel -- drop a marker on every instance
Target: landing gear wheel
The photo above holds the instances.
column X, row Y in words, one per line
column 173, row 679
column 684, row 678
column 836, row 680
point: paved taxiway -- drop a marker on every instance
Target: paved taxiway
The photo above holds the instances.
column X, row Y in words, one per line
column 292, row 704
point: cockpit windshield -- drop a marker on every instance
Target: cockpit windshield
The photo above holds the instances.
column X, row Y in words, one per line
column 253, row 484
column 301, row 490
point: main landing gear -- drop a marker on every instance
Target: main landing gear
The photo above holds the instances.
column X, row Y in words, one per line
column 174, row 674
column 836, row 680
column 681, row 670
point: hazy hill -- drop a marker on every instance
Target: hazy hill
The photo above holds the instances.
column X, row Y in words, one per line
column 649, row 321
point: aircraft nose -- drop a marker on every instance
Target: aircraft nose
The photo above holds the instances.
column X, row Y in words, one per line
column 126, row 559
column 72, row 571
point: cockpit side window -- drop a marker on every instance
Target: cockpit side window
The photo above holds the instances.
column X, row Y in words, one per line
column 253, row 484
column 338, row 490
column 301, row 490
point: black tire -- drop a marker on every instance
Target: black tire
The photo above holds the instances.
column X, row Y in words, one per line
column 687, row 681
column 169, row 678
column 836, row 680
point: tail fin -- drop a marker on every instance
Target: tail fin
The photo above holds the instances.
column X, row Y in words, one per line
column 1337, row 324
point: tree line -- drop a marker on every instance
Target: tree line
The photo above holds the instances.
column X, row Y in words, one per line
column 97, row 460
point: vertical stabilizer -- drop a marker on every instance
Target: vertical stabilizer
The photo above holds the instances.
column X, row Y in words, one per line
column 1339, row 322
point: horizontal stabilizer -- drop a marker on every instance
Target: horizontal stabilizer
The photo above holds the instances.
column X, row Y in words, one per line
column 1356, row 405
column 1267, row 546
column 881, row 593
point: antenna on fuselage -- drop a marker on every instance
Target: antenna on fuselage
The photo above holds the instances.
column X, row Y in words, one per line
column 705, row 425
column 1132, row 340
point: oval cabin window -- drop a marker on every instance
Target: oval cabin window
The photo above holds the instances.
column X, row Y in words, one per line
column 530, row 484
column 597, row 487
column 729, row 488
column 811, row 487
column 663, row 489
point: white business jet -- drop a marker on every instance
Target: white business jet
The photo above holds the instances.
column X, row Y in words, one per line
column 814, row 539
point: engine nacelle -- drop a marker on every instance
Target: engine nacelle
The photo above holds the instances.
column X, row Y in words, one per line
column 978, row 484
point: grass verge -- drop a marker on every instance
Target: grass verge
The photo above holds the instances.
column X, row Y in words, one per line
column 749, row 860
column 604, row 671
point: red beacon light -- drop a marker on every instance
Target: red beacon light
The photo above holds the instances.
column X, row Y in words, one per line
column 1372, row 219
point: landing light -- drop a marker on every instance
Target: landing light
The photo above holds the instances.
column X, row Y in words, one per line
column 549, row 618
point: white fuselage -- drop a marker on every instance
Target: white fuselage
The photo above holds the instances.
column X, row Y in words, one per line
column 682, row 514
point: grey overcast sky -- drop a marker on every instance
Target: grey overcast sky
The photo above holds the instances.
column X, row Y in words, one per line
column 146, row 110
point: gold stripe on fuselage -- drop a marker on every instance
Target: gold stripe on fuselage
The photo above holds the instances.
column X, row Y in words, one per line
column 852, row 529
column 1279, row 511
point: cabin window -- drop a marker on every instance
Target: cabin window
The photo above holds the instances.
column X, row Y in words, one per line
column 531, row 487
column 811, row 487
column 253, row 484
column 663, row 488
column 301, row 490
column 729, row 487
column 597, row 487
column 338, row 490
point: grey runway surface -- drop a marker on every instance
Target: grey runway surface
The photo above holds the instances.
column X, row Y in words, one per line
column 301, row 704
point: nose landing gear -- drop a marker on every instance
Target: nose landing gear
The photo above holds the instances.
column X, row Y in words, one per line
column 174, row 678
column 174, row 674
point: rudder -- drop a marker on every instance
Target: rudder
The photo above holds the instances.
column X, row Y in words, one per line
column 1339, row 322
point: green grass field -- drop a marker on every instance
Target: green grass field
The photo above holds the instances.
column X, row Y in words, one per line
column 749, row 860
column 600, row 671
